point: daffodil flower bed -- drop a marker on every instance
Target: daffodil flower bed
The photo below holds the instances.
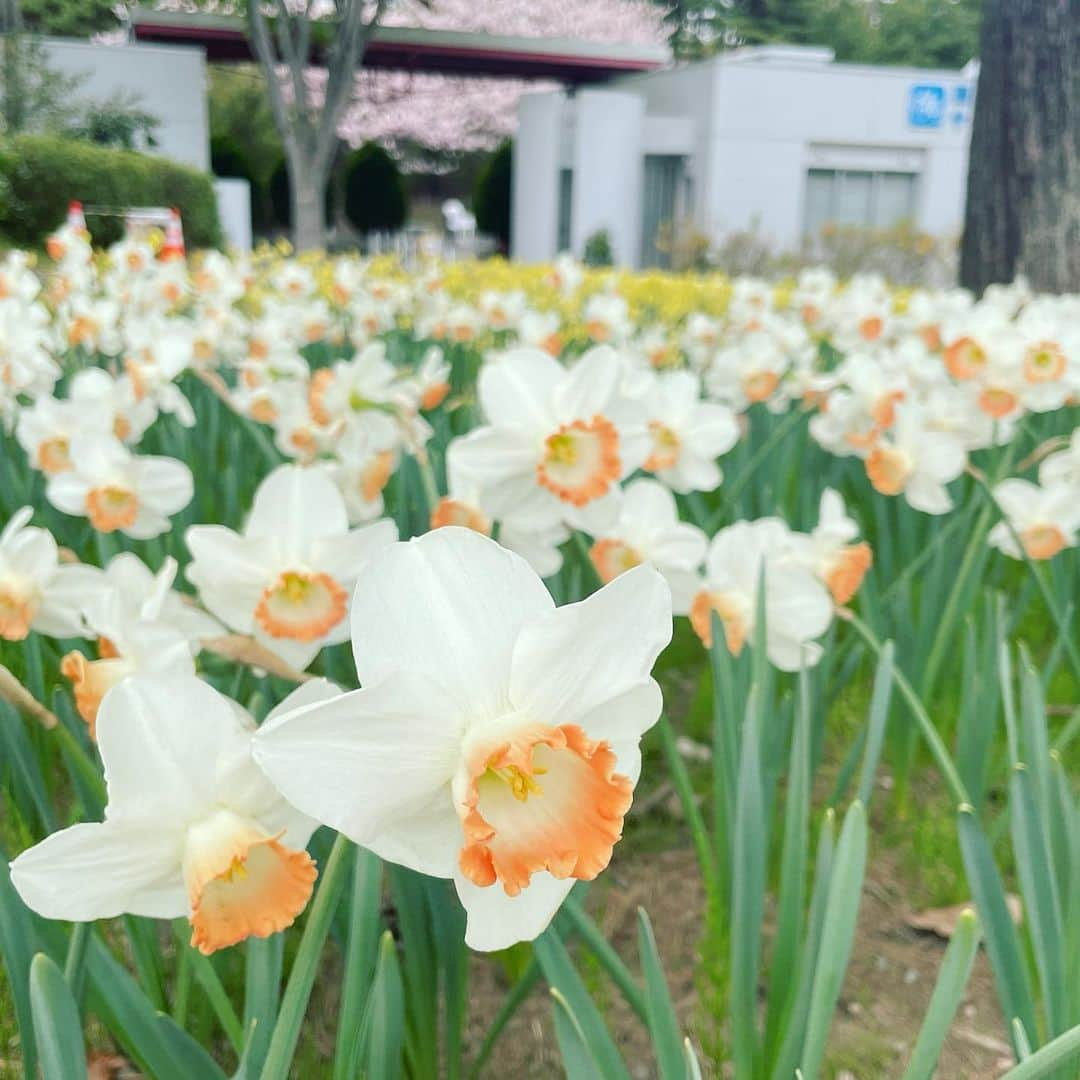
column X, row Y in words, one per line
column 336, row 603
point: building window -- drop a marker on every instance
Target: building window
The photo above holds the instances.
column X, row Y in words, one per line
column 665, row 181
column 566, row 194
column 876, row 200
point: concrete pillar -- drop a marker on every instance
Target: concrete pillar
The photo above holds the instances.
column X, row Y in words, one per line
column 234, row 211
column 535, row 188
column 608, row 171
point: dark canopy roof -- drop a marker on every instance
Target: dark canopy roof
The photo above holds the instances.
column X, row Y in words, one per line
column 449, row 52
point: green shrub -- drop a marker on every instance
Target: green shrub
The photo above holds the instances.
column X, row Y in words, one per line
column 227, row 158
column 491, row 197
column 374, row 191
column 41, row 174
column 598, row 250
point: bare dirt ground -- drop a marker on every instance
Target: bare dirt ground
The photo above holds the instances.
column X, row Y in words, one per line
column 890, row 979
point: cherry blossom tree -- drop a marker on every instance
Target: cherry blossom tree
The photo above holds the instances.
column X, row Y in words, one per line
column 283, row 37
column 316, row 106
column 439, row 113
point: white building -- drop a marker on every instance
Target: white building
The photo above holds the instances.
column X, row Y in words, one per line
column 778, row 138
column 166, row 81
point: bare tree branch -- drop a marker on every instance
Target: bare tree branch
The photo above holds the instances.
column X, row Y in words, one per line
column 349, row 44
column 309, row 133
column 264, row 50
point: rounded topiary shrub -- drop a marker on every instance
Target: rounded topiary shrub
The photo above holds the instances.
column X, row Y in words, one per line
column 491, row 197
column 374, row 190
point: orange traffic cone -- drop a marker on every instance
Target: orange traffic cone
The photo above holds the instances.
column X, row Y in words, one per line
column 75, row 217
column 173, row 248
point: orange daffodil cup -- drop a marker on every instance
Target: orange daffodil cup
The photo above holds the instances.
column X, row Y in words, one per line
column 495, row 737
column 192, row 828
column 288, row 577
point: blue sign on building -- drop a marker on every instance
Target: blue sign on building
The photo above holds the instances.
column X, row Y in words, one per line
column 961, row 104
column 926, row 105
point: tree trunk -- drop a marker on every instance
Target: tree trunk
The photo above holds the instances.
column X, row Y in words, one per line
column 307, row 182
column 1023, row 194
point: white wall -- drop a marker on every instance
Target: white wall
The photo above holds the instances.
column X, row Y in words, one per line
column 771, row 119
column 685, row 92
column 608, row 171
column 535, row 184
column 168, row 82
column 751, row 124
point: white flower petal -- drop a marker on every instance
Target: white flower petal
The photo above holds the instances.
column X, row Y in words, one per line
column 359, row 761
column 308, row 693
column 164, row 485
column 448, row 606
column 99, row 871
column 515, row 390
column 588, row 389
column 426, row 839
column 160, row 737
column 230, row 571
column 299, row 505
column 582, row 655
column 343, row 557
column 497, row 921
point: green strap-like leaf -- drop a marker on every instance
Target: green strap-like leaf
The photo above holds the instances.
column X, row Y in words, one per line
column 17, row 944
column 560, row 973
column 383, row 1031
column 575, row 917
column 577, row 1060
column 1047, row 1059
column 949, row 989
column 748, row 897
column 837, row 936
column 1002, row 942
column 57, row 1026
column 879, row 713
column 306, row 965
column 1042, row 906
column 663, row 1023
column 365, row 916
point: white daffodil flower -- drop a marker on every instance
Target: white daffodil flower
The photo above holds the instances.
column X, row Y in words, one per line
column 119, row 491
column 495, row 740
column 193, row 827
column 648, row 529
column 557, row 442
column 36, row 591
column 1044, row 519
column 288, row 576
column 797, row 606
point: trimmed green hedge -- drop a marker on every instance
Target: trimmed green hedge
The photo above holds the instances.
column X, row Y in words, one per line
column 41, row 174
